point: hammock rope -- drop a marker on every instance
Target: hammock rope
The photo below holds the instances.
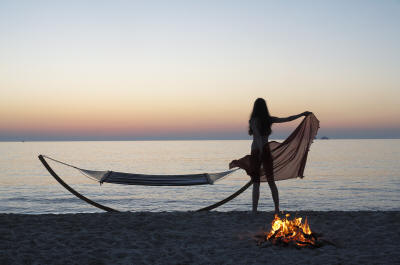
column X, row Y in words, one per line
column 81, row 170
column 58, row 161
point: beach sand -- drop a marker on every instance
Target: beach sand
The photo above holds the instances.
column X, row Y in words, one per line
column 192, row 238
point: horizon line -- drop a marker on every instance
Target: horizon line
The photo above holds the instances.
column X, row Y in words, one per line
column 191, row 139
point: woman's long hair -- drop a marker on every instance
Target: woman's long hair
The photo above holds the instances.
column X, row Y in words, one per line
column 261, row 113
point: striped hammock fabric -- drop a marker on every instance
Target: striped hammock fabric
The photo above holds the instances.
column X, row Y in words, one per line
column 155, row 180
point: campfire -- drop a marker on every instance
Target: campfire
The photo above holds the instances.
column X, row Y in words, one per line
column 285, row 232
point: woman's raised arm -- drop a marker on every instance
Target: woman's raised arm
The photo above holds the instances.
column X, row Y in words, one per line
column 290, row 118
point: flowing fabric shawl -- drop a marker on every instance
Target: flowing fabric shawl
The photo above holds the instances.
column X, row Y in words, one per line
column 290, row 156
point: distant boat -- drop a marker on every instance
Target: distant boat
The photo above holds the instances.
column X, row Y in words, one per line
column 324, row 138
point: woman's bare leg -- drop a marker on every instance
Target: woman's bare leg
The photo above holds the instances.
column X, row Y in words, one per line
column 256, row 195
column 269, row 170
column 256, row 164
column 275, row 195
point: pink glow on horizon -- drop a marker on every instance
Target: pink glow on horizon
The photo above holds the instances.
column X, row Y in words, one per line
column 159, row 125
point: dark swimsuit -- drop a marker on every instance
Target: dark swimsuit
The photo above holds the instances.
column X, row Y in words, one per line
column 265, row 161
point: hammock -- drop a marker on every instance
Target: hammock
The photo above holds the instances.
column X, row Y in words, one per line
column 148, row 180
column 289, row 159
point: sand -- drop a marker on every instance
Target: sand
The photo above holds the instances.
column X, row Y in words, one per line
column 192, row 238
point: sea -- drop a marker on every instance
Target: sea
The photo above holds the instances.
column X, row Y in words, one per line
column 340, row 175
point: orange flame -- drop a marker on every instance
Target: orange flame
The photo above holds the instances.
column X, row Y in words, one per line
column 291, row 231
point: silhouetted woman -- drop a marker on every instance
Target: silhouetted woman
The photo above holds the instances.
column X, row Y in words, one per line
column 260, row 127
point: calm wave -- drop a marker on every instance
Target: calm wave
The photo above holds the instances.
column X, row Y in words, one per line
column 340, row 175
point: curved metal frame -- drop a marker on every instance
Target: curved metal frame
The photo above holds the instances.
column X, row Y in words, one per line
column 109, row 209
column 77, row 194
column 227, row 199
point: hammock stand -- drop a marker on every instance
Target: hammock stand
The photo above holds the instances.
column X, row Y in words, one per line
column 109, row 209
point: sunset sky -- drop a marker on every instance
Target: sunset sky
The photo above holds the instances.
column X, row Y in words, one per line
column 126, row 70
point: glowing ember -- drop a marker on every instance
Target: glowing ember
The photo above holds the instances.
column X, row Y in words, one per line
column 287, row 232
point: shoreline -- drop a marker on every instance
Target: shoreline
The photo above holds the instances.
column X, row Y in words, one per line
column 192, row 238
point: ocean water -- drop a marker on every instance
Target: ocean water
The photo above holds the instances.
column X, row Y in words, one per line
column 343, row 175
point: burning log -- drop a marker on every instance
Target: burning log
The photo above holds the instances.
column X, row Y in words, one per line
column 287, row 232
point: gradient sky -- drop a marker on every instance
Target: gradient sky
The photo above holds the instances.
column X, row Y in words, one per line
column 192, row 69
